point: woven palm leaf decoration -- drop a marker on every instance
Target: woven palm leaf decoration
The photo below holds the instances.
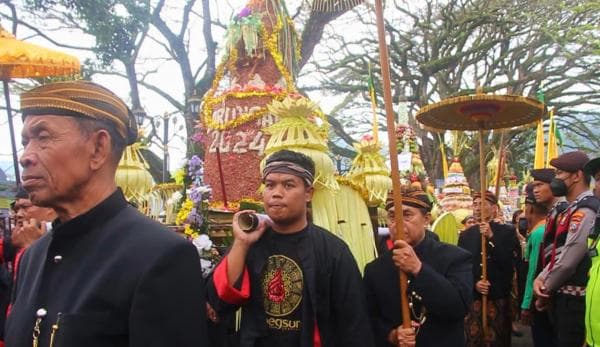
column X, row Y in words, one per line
column 334, row 5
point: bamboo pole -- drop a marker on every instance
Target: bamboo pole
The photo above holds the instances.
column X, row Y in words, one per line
column 221, row 176
column 11, row 128
column 484, row 301
column 389, row 112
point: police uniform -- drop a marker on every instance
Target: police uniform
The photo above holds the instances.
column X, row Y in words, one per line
column 565, row 260
column 592, row 293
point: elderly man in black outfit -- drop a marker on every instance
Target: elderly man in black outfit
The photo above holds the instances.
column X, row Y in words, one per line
column 503, row 250
column 105, row 275
column 440, row 282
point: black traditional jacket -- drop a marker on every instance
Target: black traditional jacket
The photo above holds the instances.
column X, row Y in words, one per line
column 441, row 292
column 503, row 251
column 109, row 277
column 336, row 296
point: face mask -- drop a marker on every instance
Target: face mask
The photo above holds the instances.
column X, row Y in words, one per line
column 559, row 187
column 522, row 225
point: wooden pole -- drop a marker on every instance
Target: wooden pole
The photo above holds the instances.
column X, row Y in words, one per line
column 483, row 184
column 11, row 128
column 221, row 176
column 389, row 112
column 499, row 172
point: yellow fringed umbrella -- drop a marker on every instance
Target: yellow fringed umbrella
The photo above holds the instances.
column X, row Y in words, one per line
column 20, row 59
column 480, row 112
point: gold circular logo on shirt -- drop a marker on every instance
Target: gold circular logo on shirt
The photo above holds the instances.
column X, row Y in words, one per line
column 282, row 285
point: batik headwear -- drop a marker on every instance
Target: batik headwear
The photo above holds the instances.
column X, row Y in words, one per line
column 489, row 196
column 412, row 197
column 80, row 99
column 287, row 167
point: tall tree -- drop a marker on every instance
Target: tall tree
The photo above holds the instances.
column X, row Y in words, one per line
column 124, row 29
column 442, row 48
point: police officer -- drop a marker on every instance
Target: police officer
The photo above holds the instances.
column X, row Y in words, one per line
column 564, row 255
column 592, row 292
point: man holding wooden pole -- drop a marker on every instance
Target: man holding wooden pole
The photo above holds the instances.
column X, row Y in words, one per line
column 503, row 250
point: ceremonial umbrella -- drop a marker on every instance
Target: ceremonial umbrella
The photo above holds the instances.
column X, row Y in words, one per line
column 480, row 112
column 20, row 59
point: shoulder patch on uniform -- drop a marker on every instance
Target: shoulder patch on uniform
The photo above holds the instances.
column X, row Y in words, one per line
column 577, row 217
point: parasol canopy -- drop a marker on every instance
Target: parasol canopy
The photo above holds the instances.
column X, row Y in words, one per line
column 481, row 112
column 20, row 59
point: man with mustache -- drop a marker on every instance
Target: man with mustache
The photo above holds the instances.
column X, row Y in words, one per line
column 440, row 283
column 105, row 275
column 298, row 285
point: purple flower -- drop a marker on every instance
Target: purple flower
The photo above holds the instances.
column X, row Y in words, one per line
column 194, row 218
column 195, row 196
column 198, row 137
column 245, row 12
column 195, row 161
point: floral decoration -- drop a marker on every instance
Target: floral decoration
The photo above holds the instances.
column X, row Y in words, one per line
column 193, row 213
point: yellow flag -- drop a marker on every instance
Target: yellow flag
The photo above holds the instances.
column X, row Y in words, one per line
column 552, row 146
column 444, row 160
column 539, row 146
column 373, row 96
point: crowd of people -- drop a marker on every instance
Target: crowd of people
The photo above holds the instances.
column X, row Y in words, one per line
column 82, row 267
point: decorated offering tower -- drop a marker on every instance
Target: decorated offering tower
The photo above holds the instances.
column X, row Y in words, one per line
column 456, row 191
column 259, row 65
column 253, row 110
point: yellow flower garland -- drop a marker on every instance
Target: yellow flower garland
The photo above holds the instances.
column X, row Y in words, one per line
column 183, row 213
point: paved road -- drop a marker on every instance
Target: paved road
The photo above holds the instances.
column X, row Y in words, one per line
column 525, row 340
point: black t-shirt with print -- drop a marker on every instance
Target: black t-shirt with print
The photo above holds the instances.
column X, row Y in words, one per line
column 283, row 289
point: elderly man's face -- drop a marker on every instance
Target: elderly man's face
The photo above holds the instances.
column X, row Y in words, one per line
column 414, row 220
column 55, row 160
column 490, row 210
